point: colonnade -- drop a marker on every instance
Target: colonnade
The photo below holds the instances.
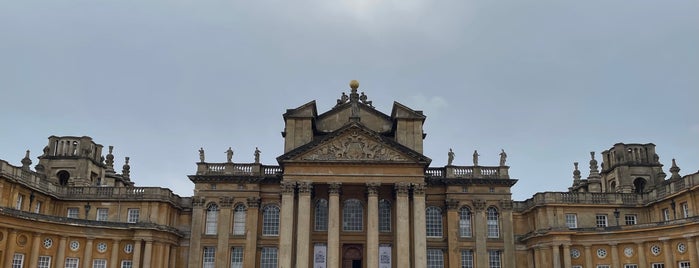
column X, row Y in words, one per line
column 298, row 255
column 589, row 253
column 147, row 253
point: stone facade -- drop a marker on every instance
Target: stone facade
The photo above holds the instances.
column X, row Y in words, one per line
column 351, row 189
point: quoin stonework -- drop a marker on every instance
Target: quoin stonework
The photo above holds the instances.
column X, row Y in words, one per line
column 352, row 188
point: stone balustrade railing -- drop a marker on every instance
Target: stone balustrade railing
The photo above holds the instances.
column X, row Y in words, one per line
column 237, row 169
column 37, row 182
column 500, row 172
column 666, row 190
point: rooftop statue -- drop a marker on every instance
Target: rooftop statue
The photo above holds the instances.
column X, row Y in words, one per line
column 229, row 155
column 257, row 155
column 475, row 157
column 503, row 157
column 201, row 154
column 451, row 157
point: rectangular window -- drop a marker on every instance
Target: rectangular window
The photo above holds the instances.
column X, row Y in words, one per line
column 435, row 258
column 126, row 264
column 601, row 220
column 132, row 215
column 18, row 205
column 577, row 266
column 572, row 220
column 466, row 258
column 99, row 263
column 684, row 264
column 71, row 263
column 602, row 266
column 630, row 219
column 666, row 214
column 209, row 258
column 236, row 257
column 685, row 211
column 73, row 213
column 658, row 265
column 37, row 207
column 268, row 257
column 102, row 214
column 630, row 266
column 18, row 260
column 44, row 262
column 494, row 259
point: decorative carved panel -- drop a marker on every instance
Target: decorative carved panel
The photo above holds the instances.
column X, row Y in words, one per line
column 354, row 146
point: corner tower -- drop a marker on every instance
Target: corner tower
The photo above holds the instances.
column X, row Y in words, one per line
column 631, row 168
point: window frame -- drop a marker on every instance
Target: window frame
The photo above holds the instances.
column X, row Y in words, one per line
column 352, row 216
column 17, row 260
column 466, row 258
column 601, row 221
column 465, row 222
column 435, row 258
column 102, row 214
column 208, row 257
column 270, row 220
column 211, row 219
column 434, row 224
column 73, row 213
column 269, row 257
column 237, row 257
column 630, row 219
column 493, row 222
column 132, row 215
column 320, row 216
column 239, row 219
column 571, row 220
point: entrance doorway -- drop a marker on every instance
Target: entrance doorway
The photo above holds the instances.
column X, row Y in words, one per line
column 352, row 256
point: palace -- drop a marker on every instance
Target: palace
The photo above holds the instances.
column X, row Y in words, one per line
column 351, row 189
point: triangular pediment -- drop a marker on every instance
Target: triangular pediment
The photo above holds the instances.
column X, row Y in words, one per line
column 354, row 143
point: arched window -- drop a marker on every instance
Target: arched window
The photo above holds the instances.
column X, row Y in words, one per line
column 493, row 223
column 63, row 177
column 270, row 220
column 640, row 185
column 239, row 219
column 433, row 221
column 612, row 186
column 211, row 219
column 321, row 215
column 352, row 216
column 465, row 222
column 384, row 216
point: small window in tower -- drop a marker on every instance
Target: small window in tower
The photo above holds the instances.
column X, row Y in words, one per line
column 63, row 177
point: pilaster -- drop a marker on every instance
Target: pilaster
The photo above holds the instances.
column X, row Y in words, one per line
column 34, row 257
column 402, row 225
column 304, row 224
column 642, row 262
column 692, row 250
column 667, row 252
column 453, row 253
column 87, row 257
column 114, row 258
column 333, row 260
column 61, row 255
column 615, row 255
column 566, row 256
column 556, row 256
column 250, row 251
column 286, row 224
column 11, row 241
column 480, row 232
column 137, row 254
column 194, row 258
column 588, row 256
column 372, row 234
column 507, row 233
column 419, row 226
column 223, row 231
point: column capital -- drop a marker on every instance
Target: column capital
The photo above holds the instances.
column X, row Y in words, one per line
column 253, row 201
column 402, row 188
column 198, row 201
column 506, row 204
column 479, row 204
column 287, row 187
column 372, row 188
column 418, row 189
column 452, row 204
column 305, row 187
column 226, row 201
column 334, row 188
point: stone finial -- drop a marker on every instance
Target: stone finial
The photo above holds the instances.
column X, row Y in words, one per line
column 354, row 85
column 126, row 169
column 594, row 171
column 110, row 159
column 576, row 172
column 26, row 161
column 675, row 170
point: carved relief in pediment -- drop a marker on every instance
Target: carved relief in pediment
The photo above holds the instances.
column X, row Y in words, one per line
column 354, row 146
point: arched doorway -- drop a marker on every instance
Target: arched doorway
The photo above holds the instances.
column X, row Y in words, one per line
column 352, row 256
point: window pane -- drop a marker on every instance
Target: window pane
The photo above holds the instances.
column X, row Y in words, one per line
column 384, row 216
column 270, row 220
column 71, row 263
column 352, row 216
column 465, row 222
column 126, row 264
column 133, row 214
column 433, row 222
column 268, row 258
column 211, row 219
column 237, row 257
column 18, row 260
column 321, row 215
column 493, row 223
column 494, row 258
column 99, row 263
column 209, row 257
column 44, row 261
column 239, row 220
column 435, row 258
column 466, row 259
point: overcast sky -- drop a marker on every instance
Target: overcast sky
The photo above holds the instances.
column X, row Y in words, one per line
column 548, row 81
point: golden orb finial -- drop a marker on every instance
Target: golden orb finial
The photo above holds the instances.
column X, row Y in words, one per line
column 354, row 84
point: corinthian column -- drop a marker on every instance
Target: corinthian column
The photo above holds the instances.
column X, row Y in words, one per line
column 250, row 253
column 286, row 224
column 334, row 225
column 419, row 226
column 372, row 233
column 304, row 224
column 402, row 225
